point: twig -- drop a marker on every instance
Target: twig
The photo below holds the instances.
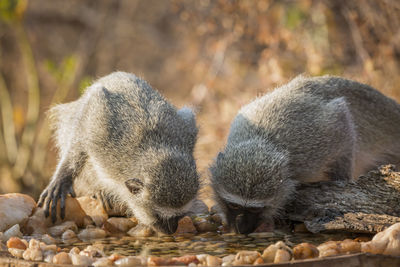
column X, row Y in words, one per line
column 32, row 114
column 10, row 142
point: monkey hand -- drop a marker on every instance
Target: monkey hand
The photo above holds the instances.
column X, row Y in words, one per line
column 58, row 189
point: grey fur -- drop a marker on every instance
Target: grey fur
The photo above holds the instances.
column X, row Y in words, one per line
column 309, row 130
column 122, row 129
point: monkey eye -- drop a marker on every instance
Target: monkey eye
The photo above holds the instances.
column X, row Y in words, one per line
column 255, row 210
column 233, row 206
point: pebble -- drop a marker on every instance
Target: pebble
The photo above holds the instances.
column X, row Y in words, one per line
column 386, row 242
column 48, row 239
column 213, row 260
column 69, row 234
column 81, row 260
column 228, row 260
column 103, row 262
column 185, row 225
column 246, row 257
column 34, row 243
column 48, row 257
column 122, row 224
column 130, row 261
column 17, row 207
column 74, row 250
column 270, row 252
column 305, row 251
column 62, row 258
column 350, row 246
column 58, row 230
column 141, row 231
column 94, row 208
column 15, row 242
column 258, row 261
column 33, row 254
column 187, row 259
column 203, row 225
column 91, row 233
column 16, row 252
column 14, row 231
column 327, row 249
column 73, row 212
column 282, row 255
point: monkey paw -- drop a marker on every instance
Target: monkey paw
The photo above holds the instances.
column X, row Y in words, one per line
column 56, row 190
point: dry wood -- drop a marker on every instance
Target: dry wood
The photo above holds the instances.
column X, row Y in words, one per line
column 367, row 205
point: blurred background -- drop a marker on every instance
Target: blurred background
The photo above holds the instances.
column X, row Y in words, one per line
column 212, row 55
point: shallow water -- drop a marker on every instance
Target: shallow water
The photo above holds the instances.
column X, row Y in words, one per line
column 210, row 243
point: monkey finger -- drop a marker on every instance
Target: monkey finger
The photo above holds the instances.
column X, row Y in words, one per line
column 47, row 206
column 54, row 207
column 72, row 192
column 42, row 198
column 62, row 206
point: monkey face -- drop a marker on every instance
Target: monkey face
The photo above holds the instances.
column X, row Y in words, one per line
column 244, row 220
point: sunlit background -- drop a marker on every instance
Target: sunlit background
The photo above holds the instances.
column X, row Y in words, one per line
column 212, row 55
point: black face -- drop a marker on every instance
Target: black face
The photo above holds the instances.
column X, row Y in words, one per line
column 167, row 225
column 243, row 219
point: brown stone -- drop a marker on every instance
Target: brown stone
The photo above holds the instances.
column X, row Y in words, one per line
column 94, row 208
column 185, row 225
column 14, row 209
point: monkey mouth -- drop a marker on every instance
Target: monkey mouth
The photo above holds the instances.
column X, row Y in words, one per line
column 166, row 225
column 246, row 223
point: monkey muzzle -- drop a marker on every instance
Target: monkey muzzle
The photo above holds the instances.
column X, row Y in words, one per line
column 167, row 225
column 246, row 222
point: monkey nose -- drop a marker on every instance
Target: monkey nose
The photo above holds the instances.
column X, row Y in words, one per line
column 245, row 224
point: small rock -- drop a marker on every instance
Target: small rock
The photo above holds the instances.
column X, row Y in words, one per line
column 300, row 228
column 202, row 258
column 16, row 252
column 15, row 208
column 12, row 232
column 217, row 218
column 73, row 212
column 258, row 261
column 58, row 230
column 246, row 257
column 115, row 256
column 2, row 237
column 141, row 230
column 350, row 246
column 386, row 242
column 91, row 233
column 69, row 234
column 305, row 251
column 187, row 259
column 93, row 251
column 131, row 261
column 33, row 254
column 87, row 220
column 74, row 250
column 228, row 260
column 122, row 224
column 80, row 260
column 282, row 255
column 327, row 249
column 103, row 262
column 15, row 242
column 270, row 252
column 213, row 261
column 48, row 239
column 94, row 208
column 203, row 225
column 159, row 261
column 48, row 248
column 36, row 224
column 62, row 258
column 185, row 225
column 48, row 257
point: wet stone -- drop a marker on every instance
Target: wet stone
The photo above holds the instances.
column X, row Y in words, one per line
column 91, row 233
column 15, row 242
column 62, row 258
column 58, row 230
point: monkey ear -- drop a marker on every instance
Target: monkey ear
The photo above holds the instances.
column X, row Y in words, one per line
column 134, row 185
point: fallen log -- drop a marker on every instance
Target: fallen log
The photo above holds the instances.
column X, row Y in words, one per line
column 367, row 205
